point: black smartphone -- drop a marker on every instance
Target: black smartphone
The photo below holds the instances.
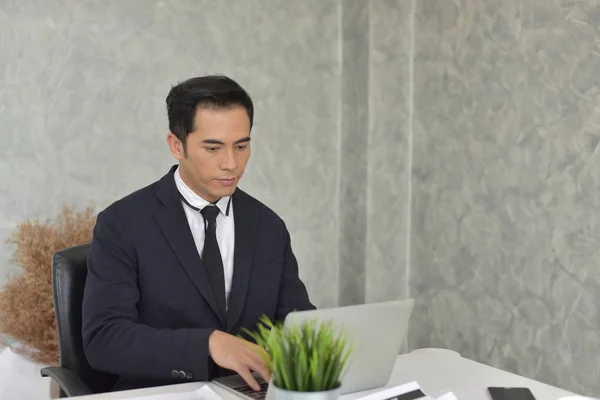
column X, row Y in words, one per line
column 510, row 393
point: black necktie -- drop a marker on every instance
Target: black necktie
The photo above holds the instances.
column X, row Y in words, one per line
column 211, row 255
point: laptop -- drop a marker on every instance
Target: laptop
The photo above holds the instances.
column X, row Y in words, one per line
column 378, row 331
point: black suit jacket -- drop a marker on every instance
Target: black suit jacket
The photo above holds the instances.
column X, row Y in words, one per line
column 148, row 308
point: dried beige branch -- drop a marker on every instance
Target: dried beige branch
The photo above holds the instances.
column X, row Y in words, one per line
column 26, row 306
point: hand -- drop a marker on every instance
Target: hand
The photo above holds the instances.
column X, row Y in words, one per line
column 238, row 355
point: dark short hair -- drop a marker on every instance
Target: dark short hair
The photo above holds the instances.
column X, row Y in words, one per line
column 212, row 91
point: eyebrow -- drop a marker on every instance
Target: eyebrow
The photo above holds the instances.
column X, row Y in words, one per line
column 215, row 141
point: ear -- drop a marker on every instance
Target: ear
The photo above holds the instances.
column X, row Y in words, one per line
column 176, row 146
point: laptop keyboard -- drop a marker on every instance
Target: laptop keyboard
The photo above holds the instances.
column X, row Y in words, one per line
column 248, row 391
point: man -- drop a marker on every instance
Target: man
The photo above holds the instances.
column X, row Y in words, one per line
column 178, row 268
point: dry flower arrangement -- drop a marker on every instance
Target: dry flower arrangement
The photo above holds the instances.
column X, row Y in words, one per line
column 26, row 306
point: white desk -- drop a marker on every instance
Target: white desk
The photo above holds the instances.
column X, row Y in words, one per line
column 436, row 370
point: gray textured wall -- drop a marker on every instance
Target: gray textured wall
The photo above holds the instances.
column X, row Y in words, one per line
column 506, row 179
column 388, row 197
column 374, row 198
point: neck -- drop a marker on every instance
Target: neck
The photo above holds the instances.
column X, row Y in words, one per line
column 189, row 183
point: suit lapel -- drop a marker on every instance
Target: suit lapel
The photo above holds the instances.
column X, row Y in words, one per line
column 246, row 224
column 173, row 223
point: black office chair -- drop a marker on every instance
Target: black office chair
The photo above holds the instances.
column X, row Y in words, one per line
column 74, row 374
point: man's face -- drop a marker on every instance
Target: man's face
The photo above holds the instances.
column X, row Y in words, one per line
column 216, row 152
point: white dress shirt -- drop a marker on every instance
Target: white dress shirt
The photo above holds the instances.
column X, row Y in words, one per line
column 225, row 227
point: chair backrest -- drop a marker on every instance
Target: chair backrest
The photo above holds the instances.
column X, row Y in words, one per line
column 69, row 272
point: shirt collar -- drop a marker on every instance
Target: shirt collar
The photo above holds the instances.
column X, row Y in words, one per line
column 193, row 200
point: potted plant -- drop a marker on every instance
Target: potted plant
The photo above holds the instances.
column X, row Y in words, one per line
column 306, row 361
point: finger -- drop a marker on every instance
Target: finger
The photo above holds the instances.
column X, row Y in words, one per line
column 244, row 372
column 264, row 373
column 256, row 364
column 255, row 360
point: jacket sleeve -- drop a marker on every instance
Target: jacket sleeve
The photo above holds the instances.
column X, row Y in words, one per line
column 293, row 295
column 114, row 341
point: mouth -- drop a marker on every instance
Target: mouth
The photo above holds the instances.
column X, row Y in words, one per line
column 227, row 181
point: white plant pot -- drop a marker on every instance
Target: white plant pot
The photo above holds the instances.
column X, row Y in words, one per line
column 282, row 394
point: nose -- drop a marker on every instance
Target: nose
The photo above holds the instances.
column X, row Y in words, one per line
column 228, row 163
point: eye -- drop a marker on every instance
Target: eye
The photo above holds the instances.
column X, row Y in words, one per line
column 241, row 146
column 212, row 149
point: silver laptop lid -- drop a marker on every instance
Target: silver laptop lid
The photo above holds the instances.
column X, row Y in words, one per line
column 377, row 331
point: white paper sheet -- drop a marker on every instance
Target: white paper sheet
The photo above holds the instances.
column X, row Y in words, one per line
column 204, row 393
column 447, row 396
column 390, row 393
column 207, row 393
